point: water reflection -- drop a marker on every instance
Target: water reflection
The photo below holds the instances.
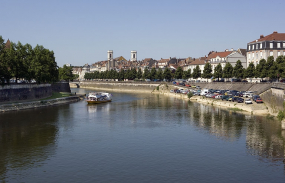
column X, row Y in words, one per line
column 26, row 140
column 264, row 137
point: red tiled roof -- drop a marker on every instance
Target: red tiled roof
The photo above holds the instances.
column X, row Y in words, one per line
column 198, row 62
column 274, row 36
column 220, row 54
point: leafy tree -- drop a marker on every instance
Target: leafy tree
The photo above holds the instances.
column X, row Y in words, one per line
column 238, row 70
column 218, row 71
column 167, row 74
column 146, row 73
column 228, row 71
column 178, row 73
column 261, row 71
column 207, row 73
column 273, row 71
column 121, row 74
column 159, row 74
column 65, row 73
column 139, row 74
column 280, row 61
column 152, row 74
column 196, row 72
column 250, row 71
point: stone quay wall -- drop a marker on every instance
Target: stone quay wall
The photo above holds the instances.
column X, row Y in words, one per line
column 120, row 86
column 23, row 92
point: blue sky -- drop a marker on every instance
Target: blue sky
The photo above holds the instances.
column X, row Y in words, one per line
column 82, row 31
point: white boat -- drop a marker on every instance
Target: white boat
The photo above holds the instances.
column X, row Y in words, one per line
column 98, row 97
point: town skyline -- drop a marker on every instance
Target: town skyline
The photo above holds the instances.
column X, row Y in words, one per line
column 82, row 32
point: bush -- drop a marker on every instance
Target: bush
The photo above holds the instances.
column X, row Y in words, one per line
column 157, row 88
column 280, row 115
column 190, row 94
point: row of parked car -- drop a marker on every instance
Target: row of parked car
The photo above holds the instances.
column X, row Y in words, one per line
column 232, row 95
column 229, row 95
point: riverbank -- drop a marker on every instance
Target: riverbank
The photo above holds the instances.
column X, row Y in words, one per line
column 38, row 104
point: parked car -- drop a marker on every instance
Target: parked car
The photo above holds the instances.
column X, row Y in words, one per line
column 240, row 100
column 171, row 91
column 225, row 97
column 187, row 85
column 248, row 101
column 254, row 97
column 258, row 100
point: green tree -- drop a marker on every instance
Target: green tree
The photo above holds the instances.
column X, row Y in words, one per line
column 238, row 70
column 152, row 74
column 139, row 73
column 250, row 71
column 178, row 73
column 280, row 66
column 273, row 71
column 167, row 74
column 218, row 71
column 65, row 73
column 228, row 71
column 196, row 72
column 146, row 73
column 159, row 74
column 261, row 71
column 207, row 73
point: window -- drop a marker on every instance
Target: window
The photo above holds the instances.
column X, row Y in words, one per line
column 260, row 45
column 283, row 45
column 256, row 46
column 252, row 55
column 278, row 53
column 278, row 45
column 249, row 55
column 271, row 45
column 252, row 47
column 256, row 55
column 260, row 54
column 271, row 53
column 249, row 47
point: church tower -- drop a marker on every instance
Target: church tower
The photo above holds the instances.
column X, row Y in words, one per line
column 133, row 56
column 111, row 62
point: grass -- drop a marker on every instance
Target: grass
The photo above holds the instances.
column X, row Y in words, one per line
column 58, row 95
column 235, row 109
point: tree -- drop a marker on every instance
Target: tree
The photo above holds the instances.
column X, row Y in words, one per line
column 159, row 74
column 273, row 71
column 139, row 74
column 146, row 73
column 152, row 74
column 228, row 71
column 207, row 73
column 65, row 73
column 178, row 73
column 167, row 74
column 250, row 71
column 238, row 70
column 218, row 71
column 280, row 61
column 260, row 71
column 196, row 72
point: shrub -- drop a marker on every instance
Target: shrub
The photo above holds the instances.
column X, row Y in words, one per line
column 190, row 94
column 157, row 88
column 280, row 115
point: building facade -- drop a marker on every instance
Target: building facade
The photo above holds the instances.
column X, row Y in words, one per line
column 270, row 45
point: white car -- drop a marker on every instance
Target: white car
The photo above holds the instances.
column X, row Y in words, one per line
column 248, row 101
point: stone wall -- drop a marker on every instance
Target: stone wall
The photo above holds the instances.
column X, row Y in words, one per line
column 120, row 86
column 274, row 100
column 22, row 92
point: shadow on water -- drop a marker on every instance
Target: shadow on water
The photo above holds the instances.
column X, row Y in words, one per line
column 27, row 138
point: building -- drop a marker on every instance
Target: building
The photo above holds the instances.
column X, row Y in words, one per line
column 225, row 57
column 270, row 45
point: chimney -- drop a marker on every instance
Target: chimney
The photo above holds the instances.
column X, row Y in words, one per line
column 232, row 49
column 275, row 32
column 169, row 58
column 261, row 36
column 226, row 50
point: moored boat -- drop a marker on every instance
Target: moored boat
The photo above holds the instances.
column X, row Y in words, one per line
column 98, row 97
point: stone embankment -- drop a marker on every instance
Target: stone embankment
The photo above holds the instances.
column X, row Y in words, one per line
column 38, row 104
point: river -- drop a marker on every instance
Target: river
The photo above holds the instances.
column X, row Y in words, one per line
column 139, row 138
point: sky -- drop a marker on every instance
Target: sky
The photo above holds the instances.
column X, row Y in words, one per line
column 82, row 31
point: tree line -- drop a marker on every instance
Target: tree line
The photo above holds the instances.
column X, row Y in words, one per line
column 265, row 68
column 24, row 62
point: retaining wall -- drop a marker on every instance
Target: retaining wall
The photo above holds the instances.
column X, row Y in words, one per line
column 22, row 92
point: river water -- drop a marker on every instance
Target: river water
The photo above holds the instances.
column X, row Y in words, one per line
column 139, row 138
